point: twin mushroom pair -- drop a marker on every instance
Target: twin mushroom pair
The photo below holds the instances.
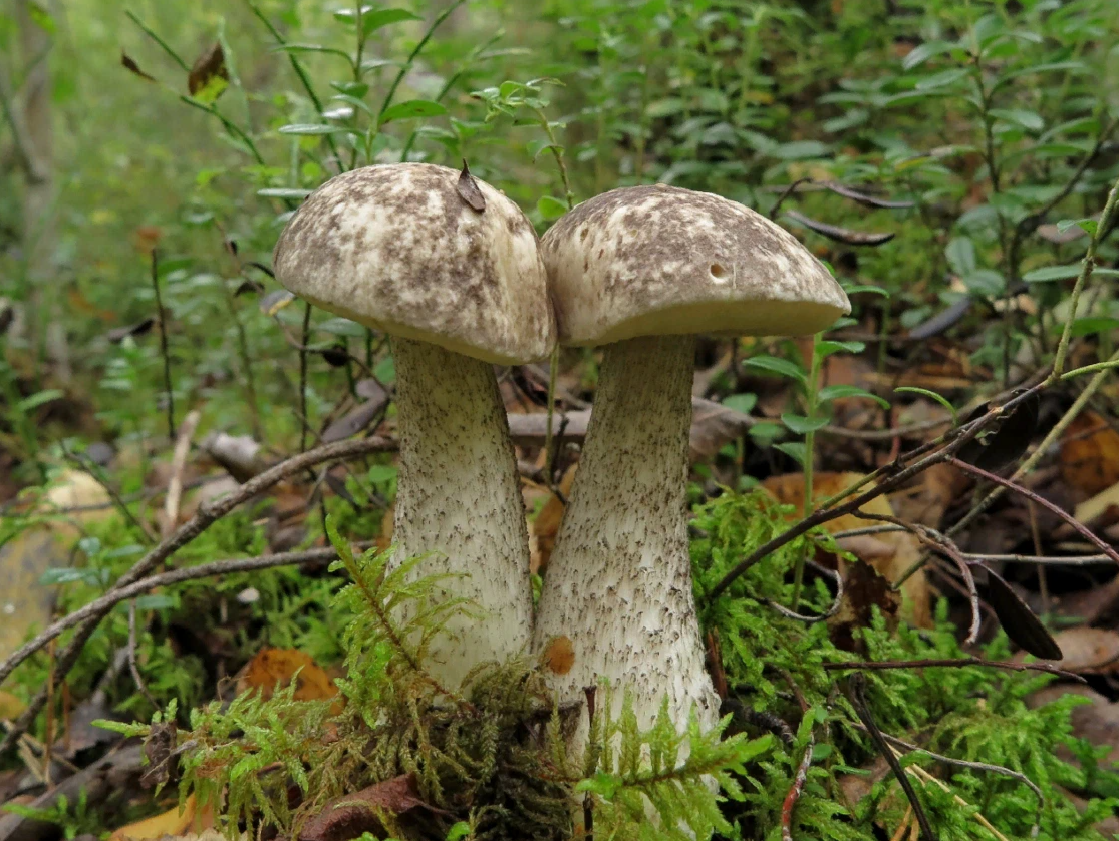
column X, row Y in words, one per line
column 454, row 272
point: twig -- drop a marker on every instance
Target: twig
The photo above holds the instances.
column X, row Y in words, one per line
column 1088, row 264
column 132, row 667
column 94, row 471
column 952, row 441
column 178, row 464
column 206, row 516
column 975, row 766
column 788, row 191
column 801, row 776
column 856, row 687
column 163, row 347
column 957, row 663
column 1030, row 463
column 1080, row 528
column 932, row 537
column 829, row 613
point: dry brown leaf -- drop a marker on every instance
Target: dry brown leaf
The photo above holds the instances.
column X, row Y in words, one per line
column 351, row 815
column 1089, row 454
column 789, row 489
column 10, row 705
column 24, row 602
column 384, row 539
column 174, row 822
column 1101, row 505
column 542, row 530
column 928, row 500
column 1087, row 651
column 863, row 590
column 274, row 667
column 559, row 656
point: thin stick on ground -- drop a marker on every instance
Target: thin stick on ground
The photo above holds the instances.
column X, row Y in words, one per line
column 897, row 476
column 174, row 498
column 206, row 516
column 163, row 346
column 1010, row 484
column 957, row 663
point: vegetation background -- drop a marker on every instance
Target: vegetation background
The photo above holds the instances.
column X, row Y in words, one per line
column 951, row 161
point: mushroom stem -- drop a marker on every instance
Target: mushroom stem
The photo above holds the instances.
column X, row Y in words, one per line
column 619, row 582
column 458, row 495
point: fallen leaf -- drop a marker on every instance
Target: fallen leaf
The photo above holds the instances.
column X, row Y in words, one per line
column 843, row 235
column 173, row 822
column 469, row 190
column 1091, row 510
column 1020, row 623
column 140, row 328
column 864, row 589
column 274, row 668
column 209, row 77
column 10, row 705
column 1006, row 440
column 1086, row 651
column 713, row 426
column 133, row 67
column 384, row 539
column 711, row 422
column 789, row 489
column 543, row 528
column 1089, row 454
column 865, row 198
column 354, row 421
column 351, row 815
column 25, row 603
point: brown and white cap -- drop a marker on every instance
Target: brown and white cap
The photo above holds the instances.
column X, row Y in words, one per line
column 657, row 260
column 414, row 251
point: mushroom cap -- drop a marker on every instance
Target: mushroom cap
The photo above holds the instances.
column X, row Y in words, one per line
column 657, row 260
column 398, row 247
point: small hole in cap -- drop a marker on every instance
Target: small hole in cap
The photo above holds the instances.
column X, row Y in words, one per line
column 718, row 271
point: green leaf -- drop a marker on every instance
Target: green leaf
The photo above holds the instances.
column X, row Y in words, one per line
column 932, row 395
column 341, row 327
column 1089, row 226
column 873, row 290
column 1026, row 119
column 411, row 109
column 372, row 21
column 826, row 347
column 295, row 49
column 941, row 79
column 835, row 392
column 960, row 255
column 800, row 149
column 777, row 365
column 985, row 282
column 285, row 192
column 923, row 52
column 801, row 424
column 551, row 208
column 796, row 449
column 459, row 831
column 741, row 402
column 38, row 399
column 1049, row 273
column 1093, row 324
column 312, row 129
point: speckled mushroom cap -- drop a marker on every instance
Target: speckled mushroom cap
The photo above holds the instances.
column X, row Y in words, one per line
column 399, row 248
column 658, row 261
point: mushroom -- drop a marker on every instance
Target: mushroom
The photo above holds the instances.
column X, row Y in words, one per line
column 451, row 269
column 643, row 270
